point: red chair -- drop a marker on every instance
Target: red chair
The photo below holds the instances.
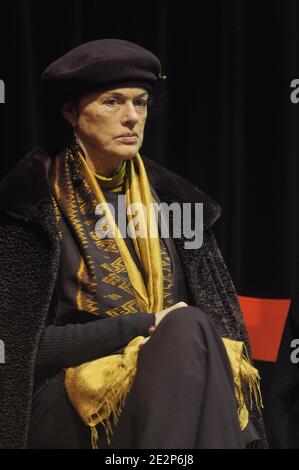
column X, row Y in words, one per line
column 265, row 320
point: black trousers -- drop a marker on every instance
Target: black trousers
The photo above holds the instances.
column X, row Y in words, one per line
column 182, row 396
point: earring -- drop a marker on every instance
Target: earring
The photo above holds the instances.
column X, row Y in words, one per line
column 76, row 162
column 76, row 144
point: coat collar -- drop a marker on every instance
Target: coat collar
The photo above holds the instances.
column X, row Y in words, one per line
column 25, row 188
column 171, row 187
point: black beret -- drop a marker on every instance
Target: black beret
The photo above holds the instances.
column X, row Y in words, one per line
column 102, row 64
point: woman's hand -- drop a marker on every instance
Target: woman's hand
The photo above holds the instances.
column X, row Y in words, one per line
column 159, row 317
column 163, row 313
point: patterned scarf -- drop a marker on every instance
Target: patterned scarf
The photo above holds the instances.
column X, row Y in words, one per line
column 94, row 270
column 107, row 276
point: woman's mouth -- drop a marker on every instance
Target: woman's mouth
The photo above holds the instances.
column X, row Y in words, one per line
column 128, row 138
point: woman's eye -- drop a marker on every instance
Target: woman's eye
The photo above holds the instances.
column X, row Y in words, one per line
column 112, row 102
column 141, row 103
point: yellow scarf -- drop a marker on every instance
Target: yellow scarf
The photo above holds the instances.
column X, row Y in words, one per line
column 244, row 374
column 98, row 389
column 147, row 247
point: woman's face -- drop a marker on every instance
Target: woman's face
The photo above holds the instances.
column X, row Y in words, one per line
column 110, row 124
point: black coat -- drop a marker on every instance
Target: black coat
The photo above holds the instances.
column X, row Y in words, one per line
column 29, row 259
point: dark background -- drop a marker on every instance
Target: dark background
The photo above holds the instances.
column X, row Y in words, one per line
column 225, row 120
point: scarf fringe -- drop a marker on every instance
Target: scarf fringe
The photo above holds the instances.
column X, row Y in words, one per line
column 114, row 407
column 250, row 375
column 98, row 389
column 244, row 373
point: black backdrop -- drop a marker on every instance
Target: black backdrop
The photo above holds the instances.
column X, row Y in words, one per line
column 225, row 120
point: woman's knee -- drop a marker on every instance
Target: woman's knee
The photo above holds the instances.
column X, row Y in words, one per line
column 187, row 320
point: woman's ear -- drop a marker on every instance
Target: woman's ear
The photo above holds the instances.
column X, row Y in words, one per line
column 70, row 113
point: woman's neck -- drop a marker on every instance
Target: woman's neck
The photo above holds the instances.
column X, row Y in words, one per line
column 107, row 169
column 104, row 167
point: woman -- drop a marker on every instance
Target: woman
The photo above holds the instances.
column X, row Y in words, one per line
column 87, row 296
